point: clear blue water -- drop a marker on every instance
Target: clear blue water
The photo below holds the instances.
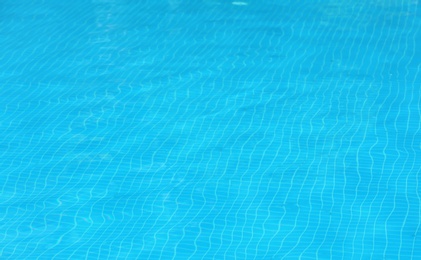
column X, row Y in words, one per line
column 210, row 129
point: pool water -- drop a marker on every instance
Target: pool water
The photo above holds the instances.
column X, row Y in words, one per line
column 210, row 129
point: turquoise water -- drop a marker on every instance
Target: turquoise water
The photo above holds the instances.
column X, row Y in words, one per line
column 210, row 129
